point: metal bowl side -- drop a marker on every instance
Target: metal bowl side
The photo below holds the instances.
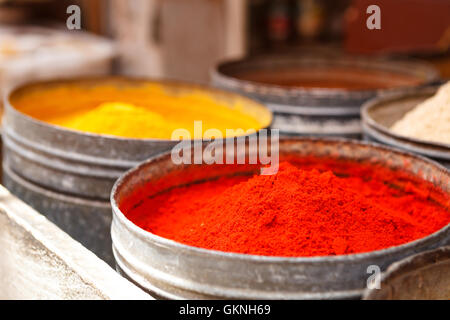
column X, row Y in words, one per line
column 422, row 276
column 322, row 99
column 173, row 270
column 316, row 111
column 87, row 164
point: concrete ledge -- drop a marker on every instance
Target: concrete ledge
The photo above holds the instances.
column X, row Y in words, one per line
column 40, row 261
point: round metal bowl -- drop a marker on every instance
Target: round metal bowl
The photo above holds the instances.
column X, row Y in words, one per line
column 169, row 269
column 379, row 114
column 422, row 276
column 317, row 111
column 87, row 164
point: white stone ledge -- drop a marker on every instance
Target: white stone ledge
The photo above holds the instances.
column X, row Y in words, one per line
column 40, row 261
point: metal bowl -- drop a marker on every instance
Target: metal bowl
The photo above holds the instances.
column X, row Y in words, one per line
column 87, row 164
column 169, row 269
column 317, row 111
column 379, row 114
column 422, row 276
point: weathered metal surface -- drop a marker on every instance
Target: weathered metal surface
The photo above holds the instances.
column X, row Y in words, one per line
column 315, row 111
column 172, row 270
column 39, row 261
column 86, row 164
column 87, row 221
column 422, row 276
column 378, row 116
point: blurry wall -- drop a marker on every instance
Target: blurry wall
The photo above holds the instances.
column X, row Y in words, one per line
column 179, row 39
column 406, row 26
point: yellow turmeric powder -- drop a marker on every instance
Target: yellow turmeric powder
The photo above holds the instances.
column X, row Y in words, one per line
column 136, row 109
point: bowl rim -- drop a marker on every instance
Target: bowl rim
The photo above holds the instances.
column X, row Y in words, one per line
column 165, row 82
column 391, row 99
column 153, row 238
column 357, row 61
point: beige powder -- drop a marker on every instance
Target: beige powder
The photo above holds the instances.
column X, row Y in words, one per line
column 429, row 120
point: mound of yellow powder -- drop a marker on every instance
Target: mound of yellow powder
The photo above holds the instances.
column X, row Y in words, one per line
column 137, row 109
column 429, row 120
column 115, row 118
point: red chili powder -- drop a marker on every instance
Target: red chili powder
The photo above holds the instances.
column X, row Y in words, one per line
column 296, row 212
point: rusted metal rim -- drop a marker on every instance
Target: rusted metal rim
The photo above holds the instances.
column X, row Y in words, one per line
column 126, row 235
column 220, row 74
column 389, row 101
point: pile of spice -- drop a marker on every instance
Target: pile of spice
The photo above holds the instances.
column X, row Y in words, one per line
column 132, row 110
column 296, row 212
column 430, row 120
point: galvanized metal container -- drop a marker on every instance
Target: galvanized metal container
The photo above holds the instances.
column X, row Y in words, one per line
column 422, row 276
column 314, row 110
column 68, row 174
column 168, row 269
column 87, row 164
column 379, row 114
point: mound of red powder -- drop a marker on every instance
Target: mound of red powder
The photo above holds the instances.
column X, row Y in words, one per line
column 293, row 213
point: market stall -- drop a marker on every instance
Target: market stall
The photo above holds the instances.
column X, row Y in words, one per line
column 223, row 150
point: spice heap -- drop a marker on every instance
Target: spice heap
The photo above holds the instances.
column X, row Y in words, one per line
column 429, row 120
column 116, row 118
column 295, row 212
column 136, row 110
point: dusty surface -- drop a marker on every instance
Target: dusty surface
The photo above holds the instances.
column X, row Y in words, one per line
column 39, row 261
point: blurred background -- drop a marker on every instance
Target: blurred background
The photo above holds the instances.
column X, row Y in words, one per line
column 183, row 39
